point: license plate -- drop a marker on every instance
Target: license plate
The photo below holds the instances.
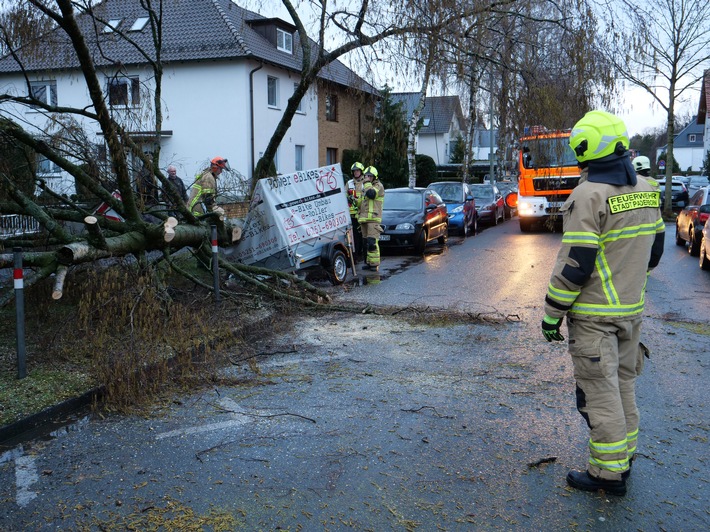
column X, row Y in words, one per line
column 384, row 237
column 556, row 204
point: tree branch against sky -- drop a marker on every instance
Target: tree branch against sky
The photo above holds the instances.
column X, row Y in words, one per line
column 662, row 46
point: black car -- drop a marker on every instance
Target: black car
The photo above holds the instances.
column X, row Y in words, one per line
column 679, row 193
column 505, row 188
column 413, row 217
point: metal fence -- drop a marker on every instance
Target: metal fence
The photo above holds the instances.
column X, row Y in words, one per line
column 18, row 224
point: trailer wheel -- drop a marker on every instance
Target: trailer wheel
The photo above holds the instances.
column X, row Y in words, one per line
column 338, row 269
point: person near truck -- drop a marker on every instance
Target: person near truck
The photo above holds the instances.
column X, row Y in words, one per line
column 370, row 216
column 204, row 190
column 354, row 188
column 613, row 237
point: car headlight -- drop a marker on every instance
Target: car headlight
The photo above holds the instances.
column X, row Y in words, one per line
column 456, row 209
column 404, row 227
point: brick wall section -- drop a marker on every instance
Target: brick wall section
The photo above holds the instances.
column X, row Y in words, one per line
column 355, row 110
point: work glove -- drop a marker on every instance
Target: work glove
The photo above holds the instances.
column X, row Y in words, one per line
column 371, row 193
column 551, row 329
column 351, row 200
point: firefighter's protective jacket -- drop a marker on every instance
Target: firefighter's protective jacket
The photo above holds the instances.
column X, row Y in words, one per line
column 354, row 194
column 613, row 236
column 203, row 191
column 370, row 210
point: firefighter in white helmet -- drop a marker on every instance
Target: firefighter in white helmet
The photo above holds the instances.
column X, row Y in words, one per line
column 613, row 237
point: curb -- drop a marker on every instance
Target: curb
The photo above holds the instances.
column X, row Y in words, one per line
column 14, row 433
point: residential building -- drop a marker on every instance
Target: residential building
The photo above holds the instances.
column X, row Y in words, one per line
column 441, row 123
column 688, row 147
column 228, row 74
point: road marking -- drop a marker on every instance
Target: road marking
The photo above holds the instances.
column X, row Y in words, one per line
column 25, row 476
column 238, row 414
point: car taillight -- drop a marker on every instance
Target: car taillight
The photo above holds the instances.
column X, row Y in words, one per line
column 703, row 217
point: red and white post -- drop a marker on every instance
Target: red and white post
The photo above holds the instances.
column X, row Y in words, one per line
column 20, row 313
column 215, row 264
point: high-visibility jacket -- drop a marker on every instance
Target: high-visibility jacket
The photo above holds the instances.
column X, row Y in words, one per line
column 613, row 237
column 355, row 193
column 203, row 191
column 370, row 210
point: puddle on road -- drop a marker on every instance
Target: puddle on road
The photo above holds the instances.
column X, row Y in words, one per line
column 13, row 448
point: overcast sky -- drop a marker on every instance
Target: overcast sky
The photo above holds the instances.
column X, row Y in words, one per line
column 640, row 111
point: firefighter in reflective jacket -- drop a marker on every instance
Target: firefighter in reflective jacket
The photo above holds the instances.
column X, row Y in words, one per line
column 370, row 216
column 354, row 194
column 613, row 237
column 204, row 189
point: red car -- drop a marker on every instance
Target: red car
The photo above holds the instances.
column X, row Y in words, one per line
column 691, row 220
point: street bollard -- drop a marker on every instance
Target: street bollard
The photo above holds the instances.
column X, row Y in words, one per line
column 215, row 264
column 20, row 314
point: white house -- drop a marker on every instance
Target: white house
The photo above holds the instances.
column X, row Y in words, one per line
column 442, row 122
column 228, row 74
column 688, row 147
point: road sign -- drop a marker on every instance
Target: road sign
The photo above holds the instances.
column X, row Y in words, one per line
column 661, row 164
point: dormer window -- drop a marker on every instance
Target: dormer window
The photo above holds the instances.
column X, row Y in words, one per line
column 139, row 24
column 284, row 41
column 112, row 25
column 426, row 122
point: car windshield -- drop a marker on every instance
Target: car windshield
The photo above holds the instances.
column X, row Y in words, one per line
column 482, row 192
column 505, row 187
column 677, row 185
column 403, row 201
column 449, row 192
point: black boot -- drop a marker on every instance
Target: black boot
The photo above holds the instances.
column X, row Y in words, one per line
column 582, row 480
column 626, row 474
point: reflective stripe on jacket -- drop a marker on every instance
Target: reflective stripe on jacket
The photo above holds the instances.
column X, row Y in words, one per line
column 204, row 189
column 370, row 210
column 613, row 236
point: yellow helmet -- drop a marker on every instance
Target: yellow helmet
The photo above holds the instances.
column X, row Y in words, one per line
column 357, row 166
column 598, row 134
column 371, row 170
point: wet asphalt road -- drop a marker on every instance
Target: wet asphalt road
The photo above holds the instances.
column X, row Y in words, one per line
column 371, row 422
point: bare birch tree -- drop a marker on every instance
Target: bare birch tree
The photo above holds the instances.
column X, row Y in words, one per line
column 662, row 46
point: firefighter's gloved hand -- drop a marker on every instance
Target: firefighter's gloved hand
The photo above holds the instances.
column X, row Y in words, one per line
column 371, row 193
column 551, row 329
column 351, row 200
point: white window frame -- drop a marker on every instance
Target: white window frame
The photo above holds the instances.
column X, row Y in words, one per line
column 47, row 168
column 112, row 25
column 132, row 89
column 284, row 41
column 299, row 157
column 299, row 109
column 50, row 91
column 691, row 137
column 272, row 91
column 139, row 24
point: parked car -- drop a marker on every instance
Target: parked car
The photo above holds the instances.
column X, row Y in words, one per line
column 679, row 193
column 705, row 242
column 690, row 221
column 695, row 183
column 413, row 217
column 508, row 187
column 459, row 204
column 489, row 203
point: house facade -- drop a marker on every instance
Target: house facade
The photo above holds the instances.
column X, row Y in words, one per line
column 688, row 147
column 442, row 122
column 227, row 76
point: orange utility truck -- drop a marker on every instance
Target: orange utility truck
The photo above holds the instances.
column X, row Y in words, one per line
column 547, row 173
